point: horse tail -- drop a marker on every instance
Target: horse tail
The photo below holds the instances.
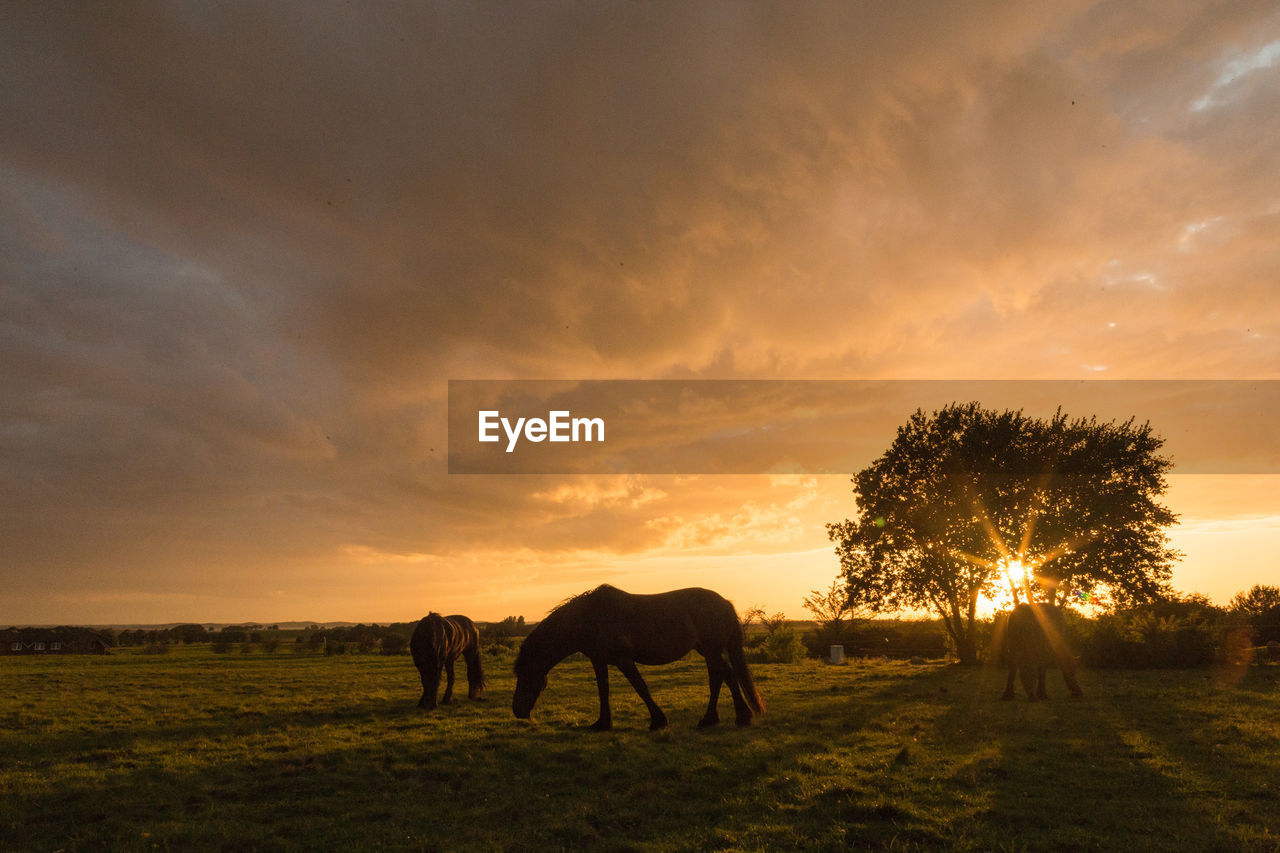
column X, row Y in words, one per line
column 738, row 661
column 471, row 651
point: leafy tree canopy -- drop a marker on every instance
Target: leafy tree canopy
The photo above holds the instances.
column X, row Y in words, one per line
column 1260, row 608
column 968, row 500
column 1256, row 601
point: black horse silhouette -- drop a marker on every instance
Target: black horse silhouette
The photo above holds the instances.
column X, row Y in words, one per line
column 1034, row 640
column 612, row 627
column 436, row 644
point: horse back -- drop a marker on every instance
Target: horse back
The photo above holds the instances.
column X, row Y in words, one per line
column 1035, row 636
column 464, row 630
column 664, row 627
column 439, row 639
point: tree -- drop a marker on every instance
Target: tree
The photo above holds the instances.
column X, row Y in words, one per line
column 968, row 500
column 831, row 608
column 188, row 633
column 773, row 623
column 512, row 626
column 756, row 613
column 1260, row 609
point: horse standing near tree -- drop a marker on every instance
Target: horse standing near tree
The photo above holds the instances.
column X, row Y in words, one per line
column 612, row 627
column 1034, row 640
column 435, row 645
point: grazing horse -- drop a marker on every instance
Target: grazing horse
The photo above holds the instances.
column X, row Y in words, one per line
column 436, row 644
column 1034, row 640
column 612, row 627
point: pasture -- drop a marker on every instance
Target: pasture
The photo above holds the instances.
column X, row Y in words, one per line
column 196, row 751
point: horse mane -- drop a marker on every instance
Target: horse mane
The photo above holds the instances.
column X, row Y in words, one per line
column 551, row 623
column 574, row 601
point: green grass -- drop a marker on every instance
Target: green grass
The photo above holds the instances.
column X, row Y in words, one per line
column 196, row 751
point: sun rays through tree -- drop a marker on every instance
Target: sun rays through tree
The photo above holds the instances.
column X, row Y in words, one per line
column 969, row 503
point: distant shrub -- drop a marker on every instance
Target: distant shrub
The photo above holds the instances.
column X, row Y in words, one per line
column 782, row 645
column 897, row 638
column 155, row 649
column 512, row 626
column 1172, row 634
column 270, row 644
column 1258, row 610
column 503, row 648
column 818, row 644
column 220, row 646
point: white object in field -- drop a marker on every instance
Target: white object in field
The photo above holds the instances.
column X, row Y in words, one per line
column 837, row 654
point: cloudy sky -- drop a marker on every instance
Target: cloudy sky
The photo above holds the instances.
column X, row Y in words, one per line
column 244, row 247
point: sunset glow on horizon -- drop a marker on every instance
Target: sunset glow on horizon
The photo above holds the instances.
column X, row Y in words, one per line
column 246, row 247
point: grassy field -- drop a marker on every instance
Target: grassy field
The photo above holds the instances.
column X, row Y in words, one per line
column 196, row 751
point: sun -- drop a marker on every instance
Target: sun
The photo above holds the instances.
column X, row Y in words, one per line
column 1015, row 570
column 1020, row 575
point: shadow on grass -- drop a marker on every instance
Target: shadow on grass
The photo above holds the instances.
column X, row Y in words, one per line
column 1214, row 744
column 1070, row 773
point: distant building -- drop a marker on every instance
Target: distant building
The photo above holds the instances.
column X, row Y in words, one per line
column 53, row 641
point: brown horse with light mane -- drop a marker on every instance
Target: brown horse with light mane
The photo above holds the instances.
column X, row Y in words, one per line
column 615, row 628
column 436, row 644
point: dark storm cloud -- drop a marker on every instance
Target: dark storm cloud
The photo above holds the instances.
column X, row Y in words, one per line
column 244, row 245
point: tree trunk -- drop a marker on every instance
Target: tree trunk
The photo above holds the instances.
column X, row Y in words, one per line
column 967, row 646
column 967, row 649
column 961, row 635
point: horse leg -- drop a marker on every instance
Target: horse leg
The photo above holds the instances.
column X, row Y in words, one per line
column 430, row 686
column 1029, row 682
column 715, row 674
column 657, row 719
column 447, row 699
column 1041, row 693
column 1008, row 687
column 602, row 686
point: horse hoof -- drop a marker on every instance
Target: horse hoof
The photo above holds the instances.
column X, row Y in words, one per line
column 744, row 721
column 654, row 725
column 601, row 725
column 708, row 722
column 1008, row 697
